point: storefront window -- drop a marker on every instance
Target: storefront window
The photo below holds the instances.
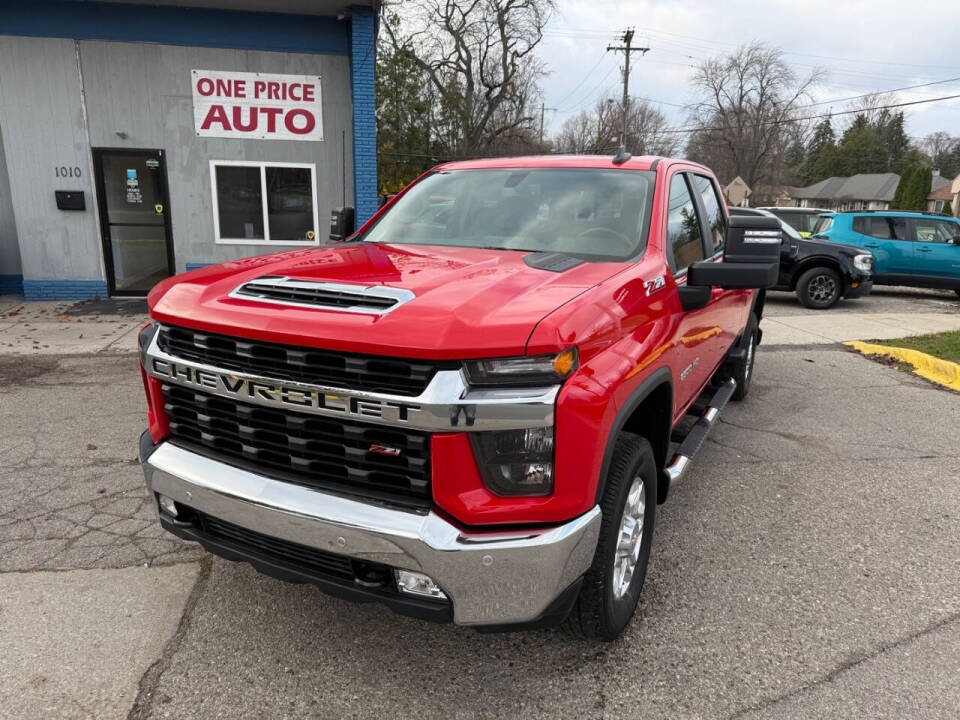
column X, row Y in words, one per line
column 260, row 203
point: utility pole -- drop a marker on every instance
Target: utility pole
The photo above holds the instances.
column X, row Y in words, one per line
column 626, row 49
column 543, row 109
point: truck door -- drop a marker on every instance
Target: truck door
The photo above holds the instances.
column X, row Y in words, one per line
column 732, row 306
column 885, row 236
column 699, row 335
column 936, row 249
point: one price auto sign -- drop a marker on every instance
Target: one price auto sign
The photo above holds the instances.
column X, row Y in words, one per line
column 257, row 106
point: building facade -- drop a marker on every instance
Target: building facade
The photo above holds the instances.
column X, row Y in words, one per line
column 141, row 140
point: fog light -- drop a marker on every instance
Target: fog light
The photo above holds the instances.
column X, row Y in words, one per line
column 168, row 505
column 415, row 583
column 515, row 463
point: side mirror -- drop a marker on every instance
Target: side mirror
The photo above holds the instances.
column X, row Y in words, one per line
column 341, row 223
column 751, row 255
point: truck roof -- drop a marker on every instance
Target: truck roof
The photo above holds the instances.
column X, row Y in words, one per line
column 645, row 162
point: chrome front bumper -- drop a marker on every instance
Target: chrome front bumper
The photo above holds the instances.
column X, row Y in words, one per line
column 491, row 578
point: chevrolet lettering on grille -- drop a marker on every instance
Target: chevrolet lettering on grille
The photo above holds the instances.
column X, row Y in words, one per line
column 270, row 393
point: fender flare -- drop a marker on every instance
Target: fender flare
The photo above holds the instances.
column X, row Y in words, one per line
column 656, row 379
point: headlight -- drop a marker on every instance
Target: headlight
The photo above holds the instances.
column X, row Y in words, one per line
column 515, row 462
column 527, row 370
column 863, row 263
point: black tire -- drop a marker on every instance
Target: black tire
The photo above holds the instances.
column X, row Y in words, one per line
column 742, row 371
column 600, row 611
column 957, row 292
column 819, row 288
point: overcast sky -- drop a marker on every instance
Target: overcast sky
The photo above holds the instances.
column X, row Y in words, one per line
column 863, row 47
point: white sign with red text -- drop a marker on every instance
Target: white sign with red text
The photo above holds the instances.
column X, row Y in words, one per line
column 257, row 106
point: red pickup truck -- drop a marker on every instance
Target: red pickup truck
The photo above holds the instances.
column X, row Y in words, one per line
column 470, row 408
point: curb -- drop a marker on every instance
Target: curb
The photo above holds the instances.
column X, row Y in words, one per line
column 942, row 372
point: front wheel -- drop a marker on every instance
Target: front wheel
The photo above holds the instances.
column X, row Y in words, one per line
column 742, row 371
column 612, row 585
column 819, row 288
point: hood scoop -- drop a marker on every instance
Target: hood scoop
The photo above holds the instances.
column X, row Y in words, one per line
column 371, row 300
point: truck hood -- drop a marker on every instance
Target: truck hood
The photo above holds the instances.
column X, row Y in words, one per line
column 467, row 302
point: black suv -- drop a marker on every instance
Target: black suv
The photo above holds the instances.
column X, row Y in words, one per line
column 819, row 272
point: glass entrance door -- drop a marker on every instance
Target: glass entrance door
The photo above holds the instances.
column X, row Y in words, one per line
column 134, row 219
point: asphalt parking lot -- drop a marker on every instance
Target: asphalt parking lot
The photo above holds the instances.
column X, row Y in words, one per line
column 807, row 566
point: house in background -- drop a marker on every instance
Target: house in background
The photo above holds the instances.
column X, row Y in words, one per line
column 866, row 191
column 941, row 193
column 869, row 191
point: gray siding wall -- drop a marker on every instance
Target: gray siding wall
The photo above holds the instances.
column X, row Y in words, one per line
column 41, row 119
column 144, row 91
column 9, row 249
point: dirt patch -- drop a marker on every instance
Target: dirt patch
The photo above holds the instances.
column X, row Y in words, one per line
column 16, row 370
column 122, row 307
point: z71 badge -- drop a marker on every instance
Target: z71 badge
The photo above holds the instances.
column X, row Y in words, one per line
column 653, row 285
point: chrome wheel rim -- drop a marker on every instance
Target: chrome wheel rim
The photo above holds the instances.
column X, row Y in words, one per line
column 630, row 538
column 822, row 288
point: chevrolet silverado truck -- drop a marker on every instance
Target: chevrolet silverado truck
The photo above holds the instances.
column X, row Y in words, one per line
column 470, row 408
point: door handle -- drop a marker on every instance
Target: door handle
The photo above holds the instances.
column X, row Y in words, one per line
column 871, row 245
column 924, row 249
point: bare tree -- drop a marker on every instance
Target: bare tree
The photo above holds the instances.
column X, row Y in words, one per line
column 598, row 131
column 748, row 112
column 478, row 56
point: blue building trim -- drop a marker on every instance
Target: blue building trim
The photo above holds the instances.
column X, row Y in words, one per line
column 363, row 58
column 204, row 27
column 63, row 289
column 11, row 284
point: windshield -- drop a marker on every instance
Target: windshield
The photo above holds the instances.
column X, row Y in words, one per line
column 601, row 214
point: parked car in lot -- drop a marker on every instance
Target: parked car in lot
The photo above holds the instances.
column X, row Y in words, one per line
column 909, row 248
column 802, row 220
column 469, row 409
column 819, row 272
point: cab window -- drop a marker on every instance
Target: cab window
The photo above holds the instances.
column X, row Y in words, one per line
column 683, row 226
column 936, row 231
column 883, row 228
column 715, row 221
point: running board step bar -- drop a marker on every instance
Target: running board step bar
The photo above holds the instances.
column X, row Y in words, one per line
column 698, row 433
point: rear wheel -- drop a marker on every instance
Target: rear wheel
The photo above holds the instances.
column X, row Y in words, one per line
column 957, row 292
column 612, row 585
column 819, row 288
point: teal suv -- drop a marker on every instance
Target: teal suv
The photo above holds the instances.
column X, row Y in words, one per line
column 908, row 248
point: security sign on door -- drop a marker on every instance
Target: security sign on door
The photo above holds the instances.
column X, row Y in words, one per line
column 257, row 105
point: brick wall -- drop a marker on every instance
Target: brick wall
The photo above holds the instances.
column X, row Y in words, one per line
column 63, row 289
column 363, row 55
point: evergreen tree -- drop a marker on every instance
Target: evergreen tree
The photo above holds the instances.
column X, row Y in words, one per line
column 823, row 138
column 893, row 137
column 827, row 164
column 861, row 150
column 899, row 195
column 947, row 208
column 918, row 189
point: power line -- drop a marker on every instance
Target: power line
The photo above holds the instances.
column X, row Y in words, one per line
column 582, row 81
column 813, row 117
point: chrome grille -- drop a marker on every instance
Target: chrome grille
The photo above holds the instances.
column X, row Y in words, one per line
column 312, row 366
column 371, row 461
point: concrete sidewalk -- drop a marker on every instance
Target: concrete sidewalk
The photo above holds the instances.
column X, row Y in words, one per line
column 833, row 327
column 69, row 328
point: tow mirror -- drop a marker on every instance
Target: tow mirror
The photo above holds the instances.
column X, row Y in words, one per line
column 341, row 223
column 751, row 256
